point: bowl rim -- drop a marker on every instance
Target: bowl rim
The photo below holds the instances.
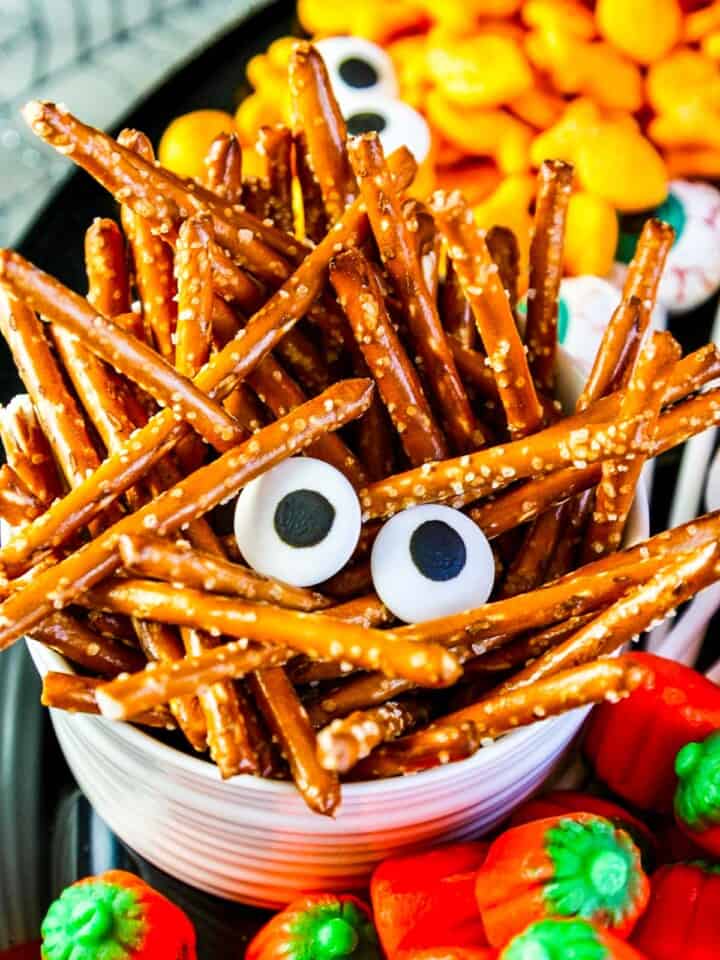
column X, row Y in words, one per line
column 571, row 376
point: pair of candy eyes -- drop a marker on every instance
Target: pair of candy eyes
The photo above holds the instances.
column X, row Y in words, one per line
column 300, row 523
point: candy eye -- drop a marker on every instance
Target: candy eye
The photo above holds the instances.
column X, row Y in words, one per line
column 692, row 269
column 397, row 123
column 357, row 66
column 299, row 522
column 431, row 561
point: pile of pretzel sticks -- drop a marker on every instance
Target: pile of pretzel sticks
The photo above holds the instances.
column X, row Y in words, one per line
column 235, row 322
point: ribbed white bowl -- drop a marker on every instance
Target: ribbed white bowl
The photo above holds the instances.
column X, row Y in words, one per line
column 255, row 840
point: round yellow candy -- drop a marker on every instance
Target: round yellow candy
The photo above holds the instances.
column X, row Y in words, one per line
column 591, row 235
column 484, row 70
column 643, row 29
column 623, row 168
column 185, row 143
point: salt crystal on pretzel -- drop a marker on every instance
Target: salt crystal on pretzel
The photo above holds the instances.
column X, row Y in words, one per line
column 106, row 267
column 397, row 249
column 396, row 378
column 318, row 121
column 145, row 555
column 546, row 266
column 66, row 691
column 344, row 742
column 27, row 450
column 481, row 283
column 459, row 735
column 183, row 503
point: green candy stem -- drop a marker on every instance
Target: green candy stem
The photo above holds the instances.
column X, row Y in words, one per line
column 557, row 940
column 93, row 920
column 333, row 931
column 697, row 798
column 596, row 870
column 335, row 938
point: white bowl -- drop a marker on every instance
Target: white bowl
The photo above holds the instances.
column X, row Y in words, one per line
column 254, row 840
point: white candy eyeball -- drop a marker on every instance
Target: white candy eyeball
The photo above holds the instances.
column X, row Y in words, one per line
column 397, row 124
column 431, row 561
column 299, row 522
column 692, row 269
column 712, row 484
column 356, row 67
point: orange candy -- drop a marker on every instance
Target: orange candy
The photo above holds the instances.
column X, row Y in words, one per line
column 187, row 140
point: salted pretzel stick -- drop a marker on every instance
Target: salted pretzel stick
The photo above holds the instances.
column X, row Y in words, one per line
column 289, row 724
column 693, row 372
column 112, row 625
column 27, row 450
column 475, row 371
column 193, row 275
column 18, row 505
column 145, row 555
column 367, row 611
column 523, row 649
column 646, row 603
column 61, row 420
column 481, row 282
column 275, row 145
column 81, row 645
column 616, row 491
column 455, row 312
column 587, row 588
column 344, row 742
column 223, row 168
column 158, row 195
column 645, row 270
column 315, row 220
column 183, row 503
column 397, row 248
column 397, row 381
column 546, row 262
column 528, row 568
column 503, row 246
column 66, row 691
column 318, row 121
column 308, row 633
column 572, row 440
column 107, row 268
column 120, row 349
column 219, row 376
column 459, row 735
column 349, row 582
column 374, row 435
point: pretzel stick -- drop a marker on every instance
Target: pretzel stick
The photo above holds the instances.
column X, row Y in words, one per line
column 315, row 220
column 318, row 122
column 193, row 275
column 483, row 288
column 342, row 744
column 644, row 604
column 528, row 568
column 546, row 254
column 289, row 724
column 475, row 370
column 455, row 312
column 65, row 691
column 453, row 738
column 223, row 168
column 275, row 144
column 61, row 420
column 219, row 376
column 503, row 246
column 367, row 611
column 18, row 505
column 177, row 562
column 256, row 197
column 616, row 490
column 269, row 762
column 646, row 268
column 233, row 284
column 112, row 625
column 585, row 589
column 427, row 664
column 397, row 248
column 87, row 649
column 158, row 195
column 120, row 349
column 398, row 383
column 187, row 500
column 374, row 437
column 107, row 269
column 523, row 649
column 349, row 582
column 27, row 450
column 693, row 372
column 575, row 439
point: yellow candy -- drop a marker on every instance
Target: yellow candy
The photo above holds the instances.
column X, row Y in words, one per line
column 565, row 15
column 380, row 21
column 325, row 18
column 711, row 45
column 409, row 57
column 686, row 75
column 591, row 234
column 186, row 141
column 643, row 29
column 256, row 111
column 509, row 206
column 462, row 16
column 484, row 70
column 622, row 167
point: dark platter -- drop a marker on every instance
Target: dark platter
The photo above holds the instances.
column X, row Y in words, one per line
column 66, row 839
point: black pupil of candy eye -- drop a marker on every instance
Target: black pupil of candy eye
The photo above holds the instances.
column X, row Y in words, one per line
column 358, row 73
column 303, row 518
column 437, row 550
column 365, row 123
